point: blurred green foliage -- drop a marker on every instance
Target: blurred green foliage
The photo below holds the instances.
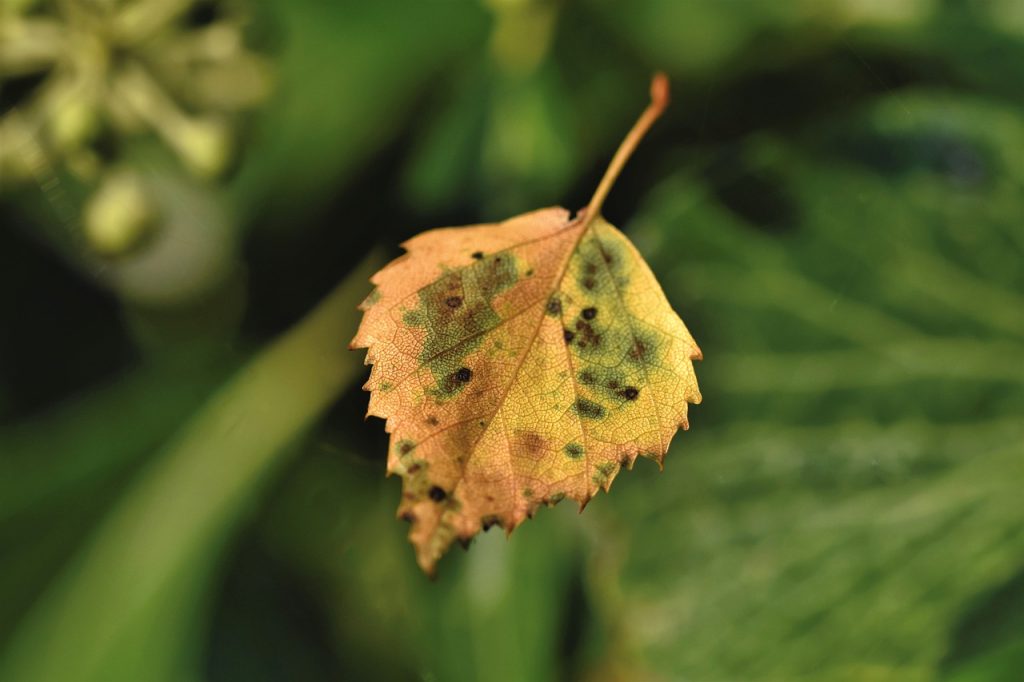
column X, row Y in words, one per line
column 833, row 202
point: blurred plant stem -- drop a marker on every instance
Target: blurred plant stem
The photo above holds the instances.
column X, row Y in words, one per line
column 127, row 606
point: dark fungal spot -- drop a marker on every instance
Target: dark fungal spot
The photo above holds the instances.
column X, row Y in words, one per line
column 456, row 380
column 490, row 521
column 478, row 255
column 606, row 256
column 588, row 337
column 527, row 492
column 589, row 283
column 638, row 351
column 587, row 377
column 554, row 307
column 613, row 384
column 529, row 273
column 573, row 450
column 589, row 313
column 408, row 516
column 405, row 447
column 588, row 408
column 569, row 336
column 589, row 268
column 432, row 420
column 437, row 493
column 529, row 444
column 453, row 301
column 624, row 459
column 556, row 498
column 629, row 393
column 413, row 468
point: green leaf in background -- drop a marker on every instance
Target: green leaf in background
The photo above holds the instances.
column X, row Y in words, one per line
column 842, row 499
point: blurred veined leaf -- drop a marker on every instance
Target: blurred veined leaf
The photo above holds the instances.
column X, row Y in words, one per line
column 856, row 328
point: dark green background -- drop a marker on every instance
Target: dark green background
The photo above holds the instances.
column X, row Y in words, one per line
column 835, row 204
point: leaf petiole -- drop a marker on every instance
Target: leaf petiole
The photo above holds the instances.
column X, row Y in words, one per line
column 659, row 101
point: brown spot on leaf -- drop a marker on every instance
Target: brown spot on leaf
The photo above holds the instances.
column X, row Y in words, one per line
column 588, row 338
column 478, row 255
column 638, row 349
column 629, row 393
column 588, row 409
column 437, row 493
column 453, row 301
column 530, row 444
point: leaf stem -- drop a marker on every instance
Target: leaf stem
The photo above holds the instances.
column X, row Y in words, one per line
column 659, row 100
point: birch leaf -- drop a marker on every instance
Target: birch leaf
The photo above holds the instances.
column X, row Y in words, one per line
column 521, row 363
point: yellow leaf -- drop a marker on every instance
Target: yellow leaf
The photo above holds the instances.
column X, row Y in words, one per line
column 521, row 363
